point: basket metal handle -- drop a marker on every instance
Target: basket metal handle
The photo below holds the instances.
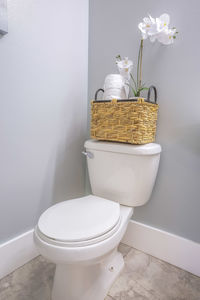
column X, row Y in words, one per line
column 96, row 94
column 152, row 87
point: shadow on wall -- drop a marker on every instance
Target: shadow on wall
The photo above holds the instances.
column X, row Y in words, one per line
column 186, row 136
column 64, row 178
column 69, row 171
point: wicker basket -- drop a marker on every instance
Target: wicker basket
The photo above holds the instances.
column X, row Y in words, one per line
column 127, row 121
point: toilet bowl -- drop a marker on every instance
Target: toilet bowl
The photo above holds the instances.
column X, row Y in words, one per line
column 81, row 235
column 86, row 265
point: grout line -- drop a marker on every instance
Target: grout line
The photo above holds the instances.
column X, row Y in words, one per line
column 110, row 297
column 130, row 248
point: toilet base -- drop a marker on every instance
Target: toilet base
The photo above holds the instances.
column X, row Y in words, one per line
column 87, row 282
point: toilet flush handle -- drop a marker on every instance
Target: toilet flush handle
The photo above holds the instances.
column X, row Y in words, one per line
column 88, row 154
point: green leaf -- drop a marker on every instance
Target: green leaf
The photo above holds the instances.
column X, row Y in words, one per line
column 143, row 89
column 134, row 91
column 133, row 80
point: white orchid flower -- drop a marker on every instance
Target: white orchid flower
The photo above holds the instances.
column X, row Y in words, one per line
column 125, row 67
column 158, row 29
column 148, row 27
column 166, row 37
column 154, row 29
column 163, row 22
column 165, row 34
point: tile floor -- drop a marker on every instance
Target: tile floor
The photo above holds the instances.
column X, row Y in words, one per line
column 143, row 278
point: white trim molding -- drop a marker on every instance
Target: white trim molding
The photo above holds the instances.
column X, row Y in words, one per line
column 171, row 248
column 16, row 252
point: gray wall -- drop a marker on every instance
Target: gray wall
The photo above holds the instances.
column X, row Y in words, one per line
column 175, row 70
column 43, row 109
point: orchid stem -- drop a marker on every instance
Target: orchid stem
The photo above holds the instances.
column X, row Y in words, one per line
column 141, row 52
column 139, row 68
column 138, row 63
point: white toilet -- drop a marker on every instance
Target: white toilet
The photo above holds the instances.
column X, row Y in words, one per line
column 81, row 235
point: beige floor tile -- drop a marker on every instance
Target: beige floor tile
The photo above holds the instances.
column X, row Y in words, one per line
column 151, row 278
column 127, row 289
column 143, row 278
column 33, row 281
column 108, row 298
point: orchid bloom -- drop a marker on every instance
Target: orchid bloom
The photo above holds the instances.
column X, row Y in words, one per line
column 163, row 22
column 125, row 67
column 158, row 29
column 154, row 29
column 148, row 27
column 167, row 37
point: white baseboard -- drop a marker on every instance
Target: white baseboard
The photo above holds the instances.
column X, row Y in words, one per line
column 16, row 252
column 171, row 248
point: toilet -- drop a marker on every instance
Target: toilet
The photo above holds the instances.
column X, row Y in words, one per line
column 81, row 236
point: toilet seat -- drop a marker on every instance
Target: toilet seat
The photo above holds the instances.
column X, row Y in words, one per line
column 79, row 222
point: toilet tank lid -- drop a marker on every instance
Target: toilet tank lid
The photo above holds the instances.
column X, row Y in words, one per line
column 147, row 149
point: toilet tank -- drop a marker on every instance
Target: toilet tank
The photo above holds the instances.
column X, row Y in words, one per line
column 122, row 172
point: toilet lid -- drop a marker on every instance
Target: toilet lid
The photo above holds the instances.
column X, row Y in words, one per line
column 79, row 219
